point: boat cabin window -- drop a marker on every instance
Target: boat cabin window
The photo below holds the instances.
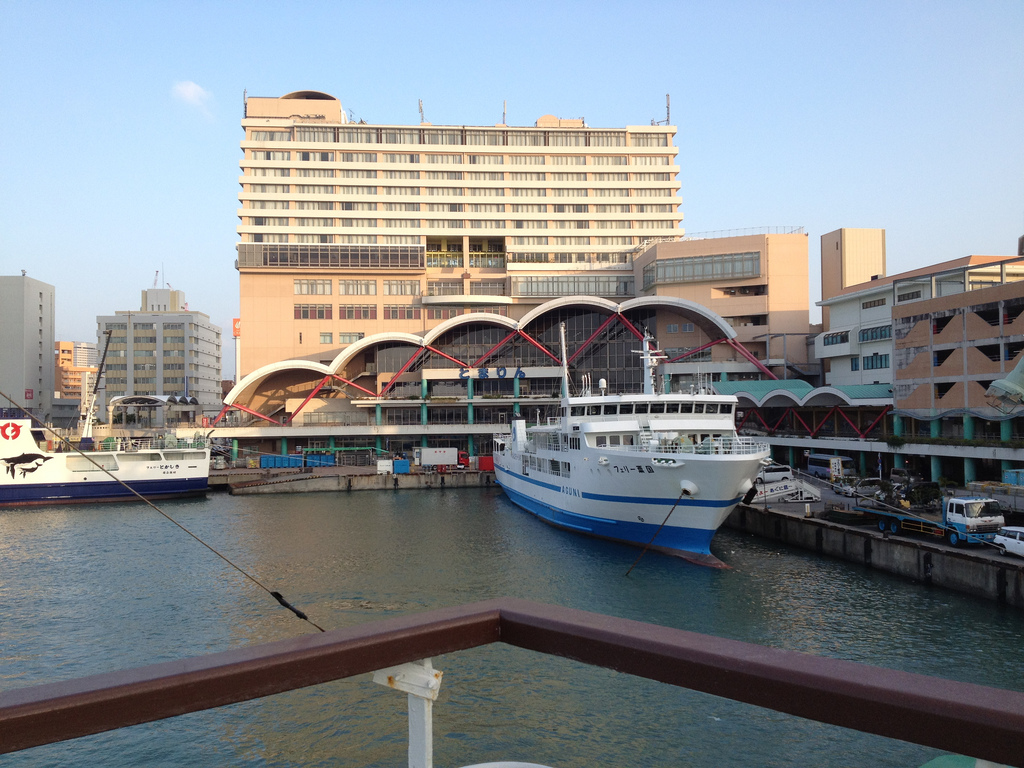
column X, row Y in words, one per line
column 657, row 407
column 578, row 410
column 613, row 440
column 725, row 408
column 640, row 408
column 626, row 408
column 671, row 407
column 602, row 440
column 593, row 410
column 627, row 439
column 686, row 407
column 711, row 408
column 610, row 409
column 698, row 407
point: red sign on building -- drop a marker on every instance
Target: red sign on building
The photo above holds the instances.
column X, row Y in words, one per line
column 29, row 394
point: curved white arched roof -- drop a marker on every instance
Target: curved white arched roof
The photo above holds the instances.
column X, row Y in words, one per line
column 369, row 341
column 567, row 301
column 473, row 317
column 683, row 305
column 269, row 370
column 341, row 360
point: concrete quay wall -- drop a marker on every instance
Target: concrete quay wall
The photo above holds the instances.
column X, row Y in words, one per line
column 311, row 483
column 980, row 572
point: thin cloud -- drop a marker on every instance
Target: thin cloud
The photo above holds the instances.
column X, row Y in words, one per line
column 192, row 94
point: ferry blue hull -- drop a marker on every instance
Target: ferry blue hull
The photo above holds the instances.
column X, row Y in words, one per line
column 689, row 543
column 92, row 492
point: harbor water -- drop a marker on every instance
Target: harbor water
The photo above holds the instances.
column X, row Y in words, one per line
column 90, row 589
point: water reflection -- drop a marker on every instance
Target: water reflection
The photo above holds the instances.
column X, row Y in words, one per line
column 90, row 589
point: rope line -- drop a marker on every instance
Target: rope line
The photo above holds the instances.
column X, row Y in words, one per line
column 276, row 595
column 644, row 550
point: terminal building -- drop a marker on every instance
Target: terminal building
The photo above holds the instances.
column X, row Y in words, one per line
column 389, row 275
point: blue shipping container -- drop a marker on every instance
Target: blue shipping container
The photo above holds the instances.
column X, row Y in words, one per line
column 401, row 467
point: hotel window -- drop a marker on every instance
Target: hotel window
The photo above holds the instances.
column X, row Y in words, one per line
column 526, row 160
column 873, row 303
column 320, row 222
column 363, row 191
column 648, row 160
column 445, row 191
column 401, row 312
column 322, row 157
column 401, row 288
column 315, row 172
column 313, row 189
column 261, row 155
column 445, row 175
column 652, row 177
column 831, row 339
column 395, row 158
column 270, row 204
column 270, row 172
column 270, row 136
column 357, row 311
column 357, row 287
column 264, row 221
column 316, row 205
column 650, row 140
column 444, row 288
column 313, row 312
column 527, row 176
column 442, row 313
column 327, row 338
column 401, row 190
column 909, row 296
column 486, row 159
column 609, row 160
column 317, row 135
column 569, row 160
column 445, row 159
column 274, row 189
column 486, row 192
column 318, row 287
column 854, row 364
column 358, row 157
column 672, row 328
column 349, row 338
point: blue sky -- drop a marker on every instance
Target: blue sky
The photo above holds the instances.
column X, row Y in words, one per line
column 122, row 119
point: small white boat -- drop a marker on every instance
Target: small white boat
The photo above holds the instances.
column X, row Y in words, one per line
column 657, row 470
column 32, row 472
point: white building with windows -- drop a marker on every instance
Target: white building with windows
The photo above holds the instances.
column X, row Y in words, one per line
column 858, row 343
column 26, row 345
column 162, row 350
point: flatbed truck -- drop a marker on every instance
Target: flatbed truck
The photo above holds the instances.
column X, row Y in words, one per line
column 958, row 519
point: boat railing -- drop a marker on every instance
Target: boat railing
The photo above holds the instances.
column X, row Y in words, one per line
column 978, row 721
column 735, row 446
column 161, row 443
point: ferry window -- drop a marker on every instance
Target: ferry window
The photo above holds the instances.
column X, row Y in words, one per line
column 602, row 440
column 711, row 408
column 725, row 408
column 626, row 408
column 627, row 439
column 671, row 407
column 578, row 410
column 593, row 410
column 686, row 407
column 657, row 407
column 640, row 408
column 610, row 409
column 613, row 440
column 698, row 407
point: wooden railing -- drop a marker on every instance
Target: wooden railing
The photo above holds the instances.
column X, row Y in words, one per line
column 964, row 718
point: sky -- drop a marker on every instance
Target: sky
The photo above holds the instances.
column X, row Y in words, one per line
column 122, row 120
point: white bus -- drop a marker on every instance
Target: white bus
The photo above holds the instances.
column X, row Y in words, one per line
column 827, row 466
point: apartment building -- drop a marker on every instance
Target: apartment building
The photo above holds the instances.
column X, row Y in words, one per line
column 351, row 229
column 161, row 350
column 74, row 367
column 26, row 345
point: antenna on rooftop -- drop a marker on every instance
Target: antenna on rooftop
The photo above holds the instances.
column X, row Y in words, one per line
column 504, row 109
column 156, row 277
column 422, row 118
column 668, row 113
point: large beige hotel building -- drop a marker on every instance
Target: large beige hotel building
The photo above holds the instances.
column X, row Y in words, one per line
column 351, row 230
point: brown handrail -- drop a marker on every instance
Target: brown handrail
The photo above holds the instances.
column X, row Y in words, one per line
column 969, row 719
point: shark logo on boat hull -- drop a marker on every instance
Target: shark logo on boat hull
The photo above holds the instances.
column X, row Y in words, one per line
column 26, row 462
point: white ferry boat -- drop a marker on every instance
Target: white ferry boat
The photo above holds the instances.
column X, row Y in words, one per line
column 33, row 472
column 657, row 470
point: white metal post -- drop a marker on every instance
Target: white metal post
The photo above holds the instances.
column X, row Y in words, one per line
column 422, row 682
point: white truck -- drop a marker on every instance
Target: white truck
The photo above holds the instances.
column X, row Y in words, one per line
column 440, row 457
column 963, row 520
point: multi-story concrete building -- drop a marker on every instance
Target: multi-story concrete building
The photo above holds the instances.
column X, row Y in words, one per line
column 162, row 350
column 409, row 226
column 26, row 345
column 74, row 367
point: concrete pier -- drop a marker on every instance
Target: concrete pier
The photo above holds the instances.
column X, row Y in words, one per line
column 976, row 570
column 318, row 481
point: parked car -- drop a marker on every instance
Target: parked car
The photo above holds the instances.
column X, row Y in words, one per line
column 1010, row 541
column 867, row 487
column 773, row 473
column 903, row 476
